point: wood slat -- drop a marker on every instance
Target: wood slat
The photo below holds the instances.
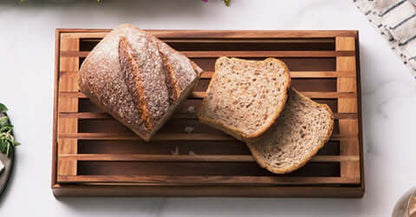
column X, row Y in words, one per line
column 233, row 41
column 208, row 180
column 136, row 190
column 347, row 127
column 132, row 189
column 201, row 95
column 293, row 74
column 55, row 108
column 310, row 94
column 189, row 158
column 301, row 74
column 241, row 54
column 344, row 43
column 67, row 82
column 265, row 54
column 67, row 166
column 85, row 115
column 323, row 74
column 216, row 34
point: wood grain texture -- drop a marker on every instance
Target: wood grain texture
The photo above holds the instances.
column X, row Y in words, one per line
column 117, row 190
column 97, row 156
column 239, row 54
column 347, row 127
column 345, row 43
column 201, row 95
column 55, row 107
column 209, row 180
column 178, row 115
column 293, row 74
column 221, row 34
column 67, row 82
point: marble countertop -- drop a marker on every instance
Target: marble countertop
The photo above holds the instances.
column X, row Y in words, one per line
column 27, row 64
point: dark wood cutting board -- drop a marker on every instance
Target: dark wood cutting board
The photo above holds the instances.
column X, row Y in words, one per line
column 94, row 155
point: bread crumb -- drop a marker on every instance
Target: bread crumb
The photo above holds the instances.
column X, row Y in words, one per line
column 191, row 109
column 176, row 151
column 189, row 129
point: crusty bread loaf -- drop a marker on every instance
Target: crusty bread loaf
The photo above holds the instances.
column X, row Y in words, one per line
column 245, row 97
column 300, row 131
column 137, row 78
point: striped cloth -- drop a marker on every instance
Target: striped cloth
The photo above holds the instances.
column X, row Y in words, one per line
column 396, row 20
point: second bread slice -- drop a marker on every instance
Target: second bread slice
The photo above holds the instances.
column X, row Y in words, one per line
column 245, row 97
column 300, row 131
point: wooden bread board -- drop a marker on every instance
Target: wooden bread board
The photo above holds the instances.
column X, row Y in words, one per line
column 94, row 155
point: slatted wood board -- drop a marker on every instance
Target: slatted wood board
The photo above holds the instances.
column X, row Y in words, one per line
column 94, row 155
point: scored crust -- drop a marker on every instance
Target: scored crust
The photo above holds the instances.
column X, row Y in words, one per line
column 231, row 130
column 126, row 75
column 132, row 77
column 171, row 80
column 262, row 162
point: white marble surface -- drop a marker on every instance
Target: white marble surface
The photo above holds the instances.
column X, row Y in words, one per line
column 26, row 86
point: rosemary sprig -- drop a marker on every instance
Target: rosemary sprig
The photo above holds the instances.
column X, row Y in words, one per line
column 7, row 140
column 3, row 108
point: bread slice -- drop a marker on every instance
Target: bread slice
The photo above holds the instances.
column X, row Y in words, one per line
column 245, row 97
column 137, row 78
column 301, row 130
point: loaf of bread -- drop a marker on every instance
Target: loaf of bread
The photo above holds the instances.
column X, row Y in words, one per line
column 245, row 97
column 301, row 130
column 137, row 79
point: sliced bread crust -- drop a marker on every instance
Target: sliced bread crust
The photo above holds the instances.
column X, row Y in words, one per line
column 219, row 106
column 301, row 130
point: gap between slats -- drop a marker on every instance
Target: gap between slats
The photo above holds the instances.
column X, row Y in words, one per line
column 189, row 158
column 209, row 180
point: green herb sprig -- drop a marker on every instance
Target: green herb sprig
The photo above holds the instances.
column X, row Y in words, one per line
column 7, row 140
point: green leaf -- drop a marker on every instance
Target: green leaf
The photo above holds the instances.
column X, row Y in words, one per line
column 8, row 148
column 7, row 140
column 3, row 108
column 6, row 128
column 7, row 143
column 3, row 144
column 227, row 2
column 4, row 120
